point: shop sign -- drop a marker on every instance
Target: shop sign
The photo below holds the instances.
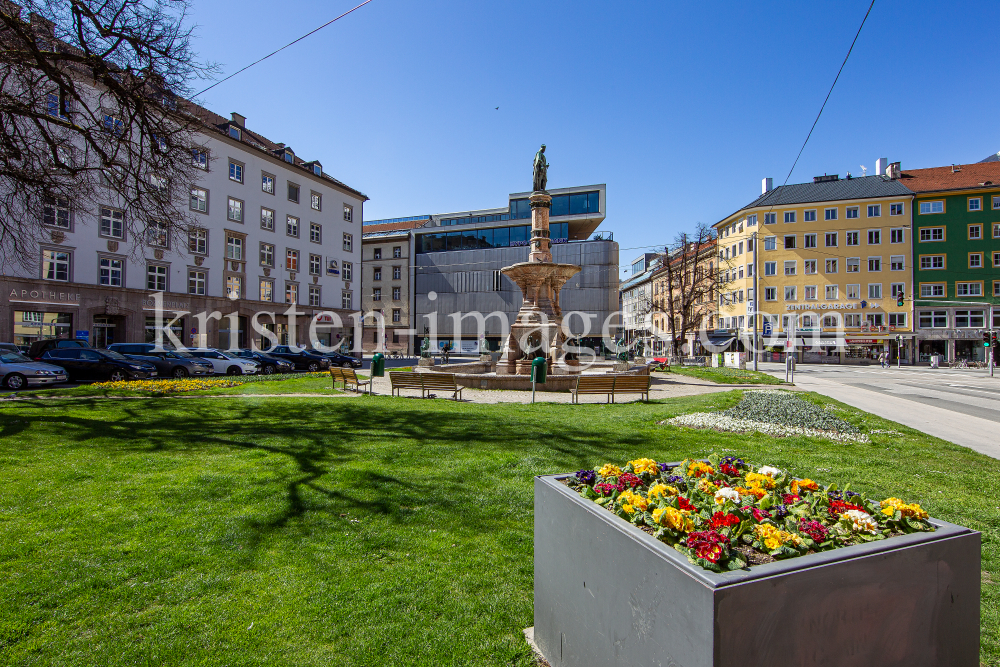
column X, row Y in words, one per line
column 830, row 306
column 148, row 304
column 43, row 296
column 862, row 341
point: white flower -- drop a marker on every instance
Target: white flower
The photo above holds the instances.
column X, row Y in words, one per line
column 768, row 470
column 861, row 522
column 725, row 493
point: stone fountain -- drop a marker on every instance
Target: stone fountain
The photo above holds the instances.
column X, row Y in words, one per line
column 537, row 330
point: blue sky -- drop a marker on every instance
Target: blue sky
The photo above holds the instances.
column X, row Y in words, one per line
column 681, row 108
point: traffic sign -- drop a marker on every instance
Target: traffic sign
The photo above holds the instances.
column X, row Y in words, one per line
column 767, row 327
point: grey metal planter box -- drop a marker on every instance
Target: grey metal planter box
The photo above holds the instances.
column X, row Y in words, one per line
column 606, row 593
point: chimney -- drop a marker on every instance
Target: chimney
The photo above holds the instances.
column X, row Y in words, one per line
column 880, row 166
column 766, row 185
column 239, row 120
column 893, row 171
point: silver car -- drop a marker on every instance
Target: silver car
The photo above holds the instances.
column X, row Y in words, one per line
column 18, row 371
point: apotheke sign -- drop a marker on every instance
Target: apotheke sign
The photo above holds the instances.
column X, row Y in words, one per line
column 43, row 296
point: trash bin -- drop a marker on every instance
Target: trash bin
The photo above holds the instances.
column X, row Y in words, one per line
column 378, row 365
column 935, row 360
column 538, row 368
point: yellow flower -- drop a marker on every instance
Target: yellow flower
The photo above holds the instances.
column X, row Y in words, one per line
column 673, row 518
column 662, row 491
column 772, row 537
column 705, row 486
column 890, row 505
column 645, row 465
column 803, row 485
column 754, row 491
column 609, row 470
column 699, row 468
column 756, row 479
column 632, row 501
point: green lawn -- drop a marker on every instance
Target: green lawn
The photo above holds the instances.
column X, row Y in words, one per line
column 726, row 375
column 369, row 531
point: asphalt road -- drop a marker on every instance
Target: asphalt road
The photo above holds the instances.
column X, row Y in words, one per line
column 960, row 405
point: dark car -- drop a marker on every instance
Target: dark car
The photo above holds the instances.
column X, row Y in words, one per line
column 342, row 360
column 40, row 347
column 168, row 361
column 268, row 365
column 89, row 365
column 10, row 347
column 303, row 359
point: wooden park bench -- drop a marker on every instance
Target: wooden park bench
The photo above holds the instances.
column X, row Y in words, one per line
column 405, row 380
column 348, row 377
column 611, row 385
column 425, row 382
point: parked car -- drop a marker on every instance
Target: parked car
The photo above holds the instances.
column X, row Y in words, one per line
column 10, row 347
column 90, row 365
column 268, row 365
column 168, row 361
column 343, row 360
column 226, row 363
column 304, row 360
column 40, row 347
column 18, row 371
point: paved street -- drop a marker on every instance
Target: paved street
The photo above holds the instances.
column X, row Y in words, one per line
column 961, row 406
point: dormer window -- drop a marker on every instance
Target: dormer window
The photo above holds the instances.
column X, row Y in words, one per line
column 289, row 158
column 234, row 132
column 318, row 170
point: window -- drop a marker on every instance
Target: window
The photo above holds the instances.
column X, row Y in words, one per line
column 316, row 201
column 156, row 234
column 874, row 236
column 852, row 212
column 895, row 289
column 315, row 232
column 810, row 292
column 790, row 267
column 292, row 260
column 996, row 230
column 199, row 158
column 397, row 251
column 875, row 319
column 234, row 132
column 396, row 292
column 156, row 277
column 397, row 316
column 234, row 248
column 345, row 300
column 235, row 171
column 752, row 220
column 267, row 185
column 111, row 272
column 897, row 319
column 234, row 287
column 832, row 292
column 266, row 290
column 291, row 226
column 968, row 289
column 55, row 212
column 853, row 264
column 314, row 296
column 809, row 266
column 377, row 253
column 966, row 319
column 770, row 268
column 348, row 213
column 114, row 125
column 315, row 265
column 234, row 210
column 996, row 292
column 377, row 273
column 770, row 294
column 348, row 243
column 874, row 264
column 930, row 207
column 975, row 260
column 830, row 214
column 996, row 203
column 975, row 203
column 932, row 289
column 198, row 241
column 377, row 294
column 397, row 272
column 741, row 247
column 57, row 104
column 874, row 290
column 875, row 210
column 852, row 320
column 897, row 263
column 789, row 242
column 830, row 321
column 770, row 218
column 196, row 282
column 854, row 291
column 809, row 241
column 895, row 209
column 790, row 293
column 808, row 216
column 770, row 242
column 931, row 234
column 266, row 219
column 291, row 293
column 928, row 262
column 975, row 232
column 831, row 266
column 199, row 200
column 996, row 260
column 266, row 254
column 933, row 319
column 853, row 238
column 348, row 270
column 293, row 194
column 112, row 222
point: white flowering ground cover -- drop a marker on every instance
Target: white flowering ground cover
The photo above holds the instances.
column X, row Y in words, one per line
column 775, row 413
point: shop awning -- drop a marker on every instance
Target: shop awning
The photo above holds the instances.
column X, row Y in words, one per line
column 721, row 341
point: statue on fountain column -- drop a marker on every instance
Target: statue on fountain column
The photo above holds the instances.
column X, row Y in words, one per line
column 541, row 171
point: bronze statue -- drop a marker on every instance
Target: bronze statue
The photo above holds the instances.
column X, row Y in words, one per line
column 541, row 171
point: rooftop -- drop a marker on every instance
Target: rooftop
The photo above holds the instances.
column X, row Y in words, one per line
column 955, row 177
column 865, row 187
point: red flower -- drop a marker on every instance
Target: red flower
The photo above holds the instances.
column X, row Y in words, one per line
column 838, row 507
column 814, row 529
column 720, row 521
column 759, row 514
column 789, row 498
column 729, row 469
column 684, row 504
column 629, row 480
column 605, row 489
column 708, row 544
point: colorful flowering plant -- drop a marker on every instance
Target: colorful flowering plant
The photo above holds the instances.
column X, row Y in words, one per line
column 719, row 512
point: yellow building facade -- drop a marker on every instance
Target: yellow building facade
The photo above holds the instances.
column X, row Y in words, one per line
column 831, row 259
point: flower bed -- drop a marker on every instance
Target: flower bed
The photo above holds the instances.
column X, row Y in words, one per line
column 180, row 385
column 724, row 514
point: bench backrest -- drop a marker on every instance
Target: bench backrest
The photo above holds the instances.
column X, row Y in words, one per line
column 597, row 384
column 336, row 373
column 405, row 379
column 349, row 375
column 439, row 381
column 632, row 383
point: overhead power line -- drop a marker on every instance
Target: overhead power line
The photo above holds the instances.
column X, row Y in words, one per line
column 312, row 32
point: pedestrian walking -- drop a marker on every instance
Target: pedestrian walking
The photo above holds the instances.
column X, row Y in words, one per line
column 882, row 359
